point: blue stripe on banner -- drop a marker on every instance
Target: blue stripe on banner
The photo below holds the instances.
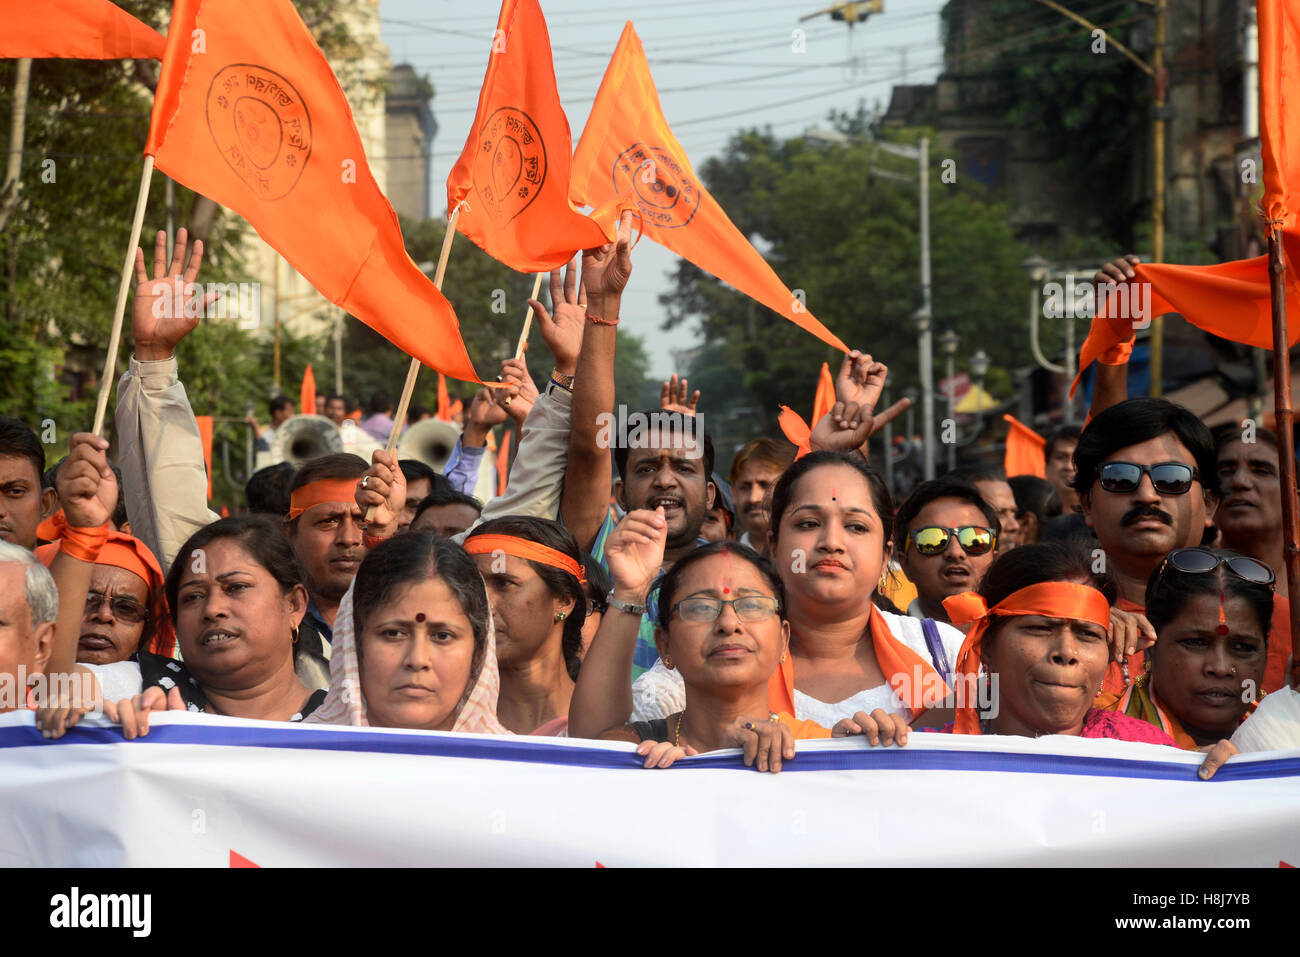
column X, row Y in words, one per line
column 534, row 752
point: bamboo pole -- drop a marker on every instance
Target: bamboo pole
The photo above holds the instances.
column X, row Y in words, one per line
column 1285, row 436
column 528, row 319
column 119, row 311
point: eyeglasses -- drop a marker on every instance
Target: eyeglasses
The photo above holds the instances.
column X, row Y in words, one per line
column 1168, row 478
column 748, row 608
column 124, row 609
column 1198, row 561
column 933, row 539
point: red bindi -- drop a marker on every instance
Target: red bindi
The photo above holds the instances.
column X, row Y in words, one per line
column 726, row 591
column 419, row 616
column 1222, row 629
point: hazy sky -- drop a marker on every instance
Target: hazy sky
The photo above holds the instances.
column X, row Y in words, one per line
column 720, row 66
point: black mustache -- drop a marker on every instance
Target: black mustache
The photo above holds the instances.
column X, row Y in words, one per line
column 1143, row 511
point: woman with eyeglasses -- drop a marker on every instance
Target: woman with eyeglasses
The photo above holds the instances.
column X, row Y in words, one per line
column 1211, row 609
column 720, row 628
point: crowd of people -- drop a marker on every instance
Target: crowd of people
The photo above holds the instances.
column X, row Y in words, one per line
column 626, row 591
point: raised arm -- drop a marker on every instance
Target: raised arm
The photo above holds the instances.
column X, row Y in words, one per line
column 1110, row 383
column 605, row 272
column 853, row 420
column 602, row 697
column 159, row 446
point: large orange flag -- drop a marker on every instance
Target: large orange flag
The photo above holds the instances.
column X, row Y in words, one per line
column 1025, row 453
column 1232, row 299
column 75, row 29
column 255, row 119
column 514, row 169
column 629, row 157
column 307, row 394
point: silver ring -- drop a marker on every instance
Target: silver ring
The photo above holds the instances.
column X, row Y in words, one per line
column 364, row 481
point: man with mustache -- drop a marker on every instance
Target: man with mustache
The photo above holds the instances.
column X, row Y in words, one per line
column 947, row 539
column 754, row 471
column 1147, row 479
column 24, row 504
column 1250, row 520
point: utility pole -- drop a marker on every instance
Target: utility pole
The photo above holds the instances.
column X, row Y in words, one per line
column 927, row 348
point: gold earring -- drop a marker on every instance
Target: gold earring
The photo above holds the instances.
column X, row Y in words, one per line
column 668, row 662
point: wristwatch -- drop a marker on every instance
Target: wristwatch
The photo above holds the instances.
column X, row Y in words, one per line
column 623, row 606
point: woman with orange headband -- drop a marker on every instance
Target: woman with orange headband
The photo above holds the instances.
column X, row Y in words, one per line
column 533, row 570
column 1039, row 630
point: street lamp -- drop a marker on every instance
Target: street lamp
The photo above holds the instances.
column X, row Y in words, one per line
column 979, row 367
column 948, row 346
column 922, row 320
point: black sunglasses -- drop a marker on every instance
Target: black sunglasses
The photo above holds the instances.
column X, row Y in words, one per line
column 1168, row 478
column 1197, row 561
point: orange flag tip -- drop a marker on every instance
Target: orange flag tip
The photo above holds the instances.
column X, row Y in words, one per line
column 76, row 29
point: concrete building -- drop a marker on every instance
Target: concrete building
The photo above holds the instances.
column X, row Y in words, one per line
column 409, row 130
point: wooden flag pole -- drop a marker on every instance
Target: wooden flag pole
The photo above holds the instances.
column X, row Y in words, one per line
column 414, row 370
column 1285, row 435
column 115, row 338
column 528, row 319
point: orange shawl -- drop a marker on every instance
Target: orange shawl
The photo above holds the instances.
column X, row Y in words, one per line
column 912, row 677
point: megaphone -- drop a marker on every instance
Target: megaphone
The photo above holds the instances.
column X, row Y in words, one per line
column 305, row 437
column 358, row 441
column 430, row 442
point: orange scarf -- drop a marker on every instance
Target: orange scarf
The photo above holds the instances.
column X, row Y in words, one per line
column 899, row 663
column 1049, row 599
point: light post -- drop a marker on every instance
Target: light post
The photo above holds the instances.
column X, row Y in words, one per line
column 979, row 367
column 948, row 346
column 922, row 320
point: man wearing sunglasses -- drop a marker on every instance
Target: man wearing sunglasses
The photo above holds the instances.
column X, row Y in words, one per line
column 1147, row 480
column 949, row 537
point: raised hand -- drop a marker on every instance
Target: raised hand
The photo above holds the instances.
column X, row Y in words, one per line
column 634, row 552
column 161, row 316
column 675, row 396
column 562, row 331
column 483, row 414
column 521, row 392
column 852, row 420
column 86, row 485
column 606, row 269
column 382, row 488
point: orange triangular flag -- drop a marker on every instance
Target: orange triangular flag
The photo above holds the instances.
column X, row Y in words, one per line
column 1025, row 450
column 514, row 169
column 75, row 29
column 1232, row 300
column 824, row 400
column 307, row 394
column 503, row 462
column 629, row 157
column 444, row 400
column 205, row 436
column 256, row 121
column 796, row 430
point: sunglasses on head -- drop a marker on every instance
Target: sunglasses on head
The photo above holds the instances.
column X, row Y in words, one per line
column 1168, row 478
column 933, row 539
column 1197, row 561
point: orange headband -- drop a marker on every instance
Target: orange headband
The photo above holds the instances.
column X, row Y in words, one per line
column 1049, row 599
column 523, row 548
column 321, row 492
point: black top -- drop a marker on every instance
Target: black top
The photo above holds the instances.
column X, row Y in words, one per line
column 654, row 730
column 157, row 671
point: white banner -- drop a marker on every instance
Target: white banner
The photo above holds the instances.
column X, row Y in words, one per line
column 205, row 791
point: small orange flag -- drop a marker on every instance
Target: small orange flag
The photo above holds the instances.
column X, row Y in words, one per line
column 205, row 436
column 824, row 400
column 444, row 400
column 629, row 158
column 515, row 166
column 77, row 30
column 307, row 395
column 256, row 120
column 1025, row 450
column 796, row 430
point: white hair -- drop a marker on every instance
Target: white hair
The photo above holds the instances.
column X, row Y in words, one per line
column 42, row 596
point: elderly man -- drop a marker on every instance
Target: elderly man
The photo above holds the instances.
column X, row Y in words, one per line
column 29, row 604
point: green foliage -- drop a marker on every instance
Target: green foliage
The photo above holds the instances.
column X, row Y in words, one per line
column 849, row 239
